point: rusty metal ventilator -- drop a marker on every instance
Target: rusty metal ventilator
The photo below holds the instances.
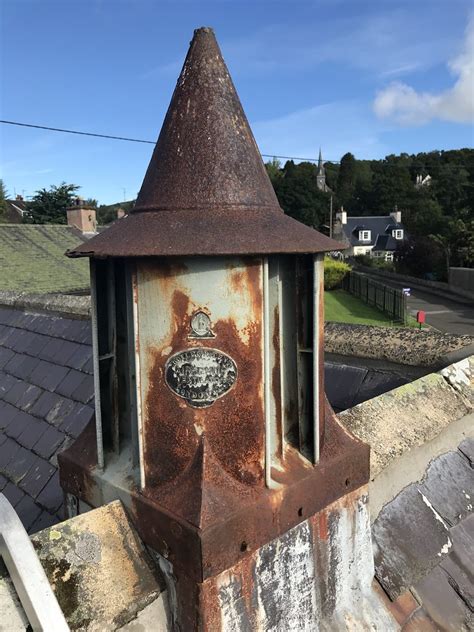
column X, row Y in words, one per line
column 31, row 584
column 95, row 362
column 318, row 270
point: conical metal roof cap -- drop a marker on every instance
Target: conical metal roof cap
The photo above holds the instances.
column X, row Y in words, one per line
column 206, row 156
column 206, row 190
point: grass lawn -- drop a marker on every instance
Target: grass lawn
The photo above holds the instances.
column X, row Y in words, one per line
column 342, row 307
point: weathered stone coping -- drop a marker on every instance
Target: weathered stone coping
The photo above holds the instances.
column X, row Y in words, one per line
column 410, row 425
column 100, row 572
column 401, row 345
column 69, row 305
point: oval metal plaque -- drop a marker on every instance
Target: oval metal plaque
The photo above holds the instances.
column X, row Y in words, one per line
column 200, row 375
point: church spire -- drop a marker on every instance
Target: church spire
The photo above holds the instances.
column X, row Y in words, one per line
column 320, row 163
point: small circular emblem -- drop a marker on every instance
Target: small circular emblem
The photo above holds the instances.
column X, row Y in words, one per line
column 201, row 325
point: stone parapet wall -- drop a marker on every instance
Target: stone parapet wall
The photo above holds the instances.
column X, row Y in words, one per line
column 410, row 346
column 410, row 425
column 69, row 305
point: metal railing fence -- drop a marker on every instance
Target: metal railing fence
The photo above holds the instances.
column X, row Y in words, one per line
column 387, row 299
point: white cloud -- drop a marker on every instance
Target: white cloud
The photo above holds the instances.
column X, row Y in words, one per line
column 407, row 106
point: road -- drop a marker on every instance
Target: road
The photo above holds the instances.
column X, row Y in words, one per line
column 442, row 313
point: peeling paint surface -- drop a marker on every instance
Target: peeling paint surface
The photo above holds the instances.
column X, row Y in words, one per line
column 316, row 577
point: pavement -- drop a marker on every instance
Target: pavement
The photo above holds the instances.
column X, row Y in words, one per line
column 444, row 313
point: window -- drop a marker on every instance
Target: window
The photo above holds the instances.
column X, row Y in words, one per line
column 398, row 233
column 389, row 256
column 364, row 235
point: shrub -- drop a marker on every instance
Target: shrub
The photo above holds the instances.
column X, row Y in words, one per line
column 334, row 273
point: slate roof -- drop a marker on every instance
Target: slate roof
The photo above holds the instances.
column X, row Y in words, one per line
column 424, row 543
column 32, row 259
column 46, row 393
column 380, row 226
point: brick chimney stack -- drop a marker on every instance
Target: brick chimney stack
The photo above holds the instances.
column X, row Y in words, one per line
column 82, row 217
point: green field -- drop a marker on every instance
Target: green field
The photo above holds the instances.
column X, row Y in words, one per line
column 342, row 307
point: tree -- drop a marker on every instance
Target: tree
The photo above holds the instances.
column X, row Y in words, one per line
column 346, row 179
column 274, row 171
column 3, row 197
column 48, row 206
column 299, row 196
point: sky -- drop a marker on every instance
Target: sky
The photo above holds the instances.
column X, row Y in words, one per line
column 372, row 77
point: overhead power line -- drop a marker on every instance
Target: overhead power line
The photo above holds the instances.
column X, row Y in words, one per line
column 134, row 140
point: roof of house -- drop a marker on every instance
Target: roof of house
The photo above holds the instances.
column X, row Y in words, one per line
column 14, row 210
column 380, row 227
column 46, row 393
column 32, row 259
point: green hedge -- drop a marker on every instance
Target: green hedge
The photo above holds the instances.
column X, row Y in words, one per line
column 334, row 273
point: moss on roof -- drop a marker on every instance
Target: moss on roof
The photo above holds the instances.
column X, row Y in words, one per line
column 32, row 259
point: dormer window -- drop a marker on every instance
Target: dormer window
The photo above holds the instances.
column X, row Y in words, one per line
column 398, row 233
column 364, row 235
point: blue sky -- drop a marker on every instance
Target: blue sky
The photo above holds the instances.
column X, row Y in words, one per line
column 374, row 78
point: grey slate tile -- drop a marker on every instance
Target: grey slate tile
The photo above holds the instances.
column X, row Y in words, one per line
column 5, row 356
column 6, row 383
column 442, row 603
column 8, row 337
column 16, row 359
column 21, row 465
column 77, row 420
column 33, row 433
column 37, row 477
column 48, row 375
column 449, row 486
column 60, row 411
column 44, row 520
column 6, row 315
column 28, row 511
column 48, row 442
column 80, row 357
column 19, row 424
column 13, row 494
column 41, row 324
column 3, row 482
column 89, row 366
column 21, row 366
column 8, row 452
column 408, row 541
column 466, row 447
column 71, row 383
column 7, row 414
column 15, row 392
column 36, row 344
column 22, row 341
column 45, row 403
column 58, row 351
column 52, row 496
column 85, row 392
column 29, row 397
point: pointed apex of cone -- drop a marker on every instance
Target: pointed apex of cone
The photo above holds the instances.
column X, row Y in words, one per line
column 206, row 156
